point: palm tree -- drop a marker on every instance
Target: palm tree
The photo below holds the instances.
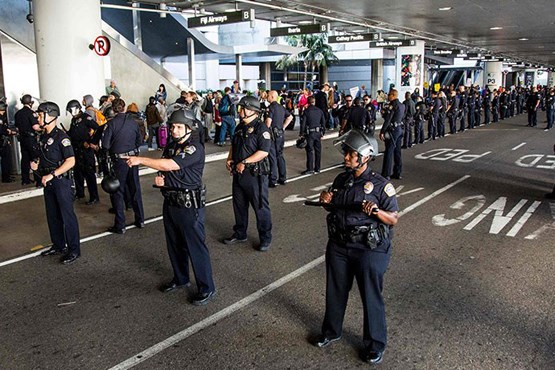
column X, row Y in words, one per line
column 317, row 54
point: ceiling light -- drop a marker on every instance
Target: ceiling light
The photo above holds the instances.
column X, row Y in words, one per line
column 523, row 39
column 230, row 10
column 305, row 22
column 496, row 28
column 393, row 37
column 445, row 8
column 541, row 47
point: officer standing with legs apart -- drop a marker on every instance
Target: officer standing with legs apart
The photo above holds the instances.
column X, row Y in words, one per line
column 463, row 104
column 363, row 208
column 80, row 132
column 5, row 144
column 452, row 111
column 180, row 180
column 392, row 134
column 122, row 139
column 277, row 120
column 27, row 125
column 54, row 163
column 313, row 125
column 248, row 163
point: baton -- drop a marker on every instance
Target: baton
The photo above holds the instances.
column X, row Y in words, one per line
column 348, row 207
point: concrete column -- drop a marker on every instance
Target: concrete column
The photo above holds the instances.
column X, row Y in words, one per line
column 238, row 65
column 376, row 79
column 494, row 75
column 137, row 34
column 267, row 74
column 191, row 62
column 410, row 68
column 550, row 79
column 324, row 75
column 67, row 68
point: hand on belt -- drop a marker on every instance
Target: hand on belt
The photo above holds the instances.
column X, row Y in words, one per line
column 132, row 153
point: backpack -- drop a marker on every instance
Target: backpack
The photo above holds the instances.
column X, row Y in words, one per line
column 224, row 106
column 99, row 117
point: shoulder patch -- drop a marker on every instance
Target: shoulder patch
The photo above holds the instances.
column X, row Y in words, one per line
column 266, row 135
column 190, row 149
column 389, row 189
column 368, row 187
column 66, row 142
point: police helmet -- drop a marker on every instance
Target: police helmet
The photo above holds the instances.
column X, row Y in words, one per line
column 110, row 184
column 26, row 99
column 301, row 142
column 73, row 104
column 358, row 141
column 250, row 103
column 49, row 108
column 3, row 105
column 186, row 117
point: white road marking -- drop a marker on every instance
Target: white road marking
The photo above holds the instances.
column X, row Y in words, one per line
column 545, row 227
column 224, row 313
column 522, row 220
column 519, row 146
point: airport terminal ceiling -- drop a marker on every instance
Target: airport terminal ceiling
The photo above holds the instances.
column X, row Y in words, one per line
column 521, row 30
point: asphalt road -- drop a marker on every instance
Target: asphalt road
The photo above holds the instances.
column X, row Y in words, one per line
column 470, row 284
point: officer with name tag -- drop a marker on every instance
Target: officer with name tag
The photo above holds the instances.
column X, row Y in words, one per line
column 313, row 125
column 121, row 139
column 56, row 159
column 247, row 162
column 363, row 209
column 392, row 134
column 277, row 120
column 180, row 180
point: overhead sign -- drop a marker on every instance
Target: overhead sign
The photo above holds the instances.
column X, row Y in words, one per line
column 101, row 46
column 299, row 30
column 473, row 56
column 446, row 52
column 392, row 43
column 351, row 38
column 223, row 18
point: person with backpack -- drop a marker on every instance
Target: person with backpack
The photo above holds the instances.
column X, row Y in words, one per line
column 153, row 120
column 227, row 113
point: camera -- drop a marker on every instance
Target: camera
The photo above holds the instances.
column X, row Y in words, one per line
column 30, row 18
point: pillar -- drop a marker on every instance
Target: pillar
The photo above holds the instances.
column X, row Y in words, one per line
column 137, row 34
column 268, row 74
column 494, row 75
column 67, row 68
column 376, row 79
column 550, row 78
column 238, row 63
column 191, row 62
column 409, row 68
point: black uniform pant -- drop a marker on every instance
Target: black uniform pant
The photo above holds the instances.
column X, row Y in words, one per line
column 392, row 157
column 487, row 117
column 6, row 163
column 432, row 127
column 471, row 118
column 249, row 189
column 495, row 112
column 503, row 112
column 84, row 170
column 407, row 135
column 127, row 177
column 28, row 153
column 452, row 124
column 441, row 125
column 185, row 238
column 277, row 162
column 463, row 120
column 418, row 131
column 368, row 267
column 313, row 151
column 62, row 222
column 477, row 117
column 532, row 117
column 550, row 113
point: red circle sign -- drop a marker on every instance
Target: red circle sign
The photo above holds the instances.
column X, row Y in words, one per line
column 102, row 46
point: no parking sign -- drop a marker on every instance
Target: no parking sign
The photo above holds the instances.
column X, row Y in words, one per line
column 101, row 46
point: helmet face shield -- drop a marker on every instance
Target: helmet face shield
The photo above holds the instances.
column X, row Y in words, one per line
column 357, row 141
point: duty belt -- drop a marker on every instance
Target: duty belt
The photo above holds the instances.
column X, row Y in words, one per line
column 317, row 129
column 186, row 198
column 397, row 124
column 132, row 153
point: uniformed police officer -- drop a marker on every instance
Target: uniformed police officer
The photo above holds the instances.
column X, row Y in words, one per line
column 463, row 105
column 392, row 134
column 313, row 125
column 248, row 163
column 408, row 120
column 80, row 132
column 486, row 104
column 55, row 160
column 122, row 138
column 5, row 144
column 550, row 108
column 180, row 179
column 363, row 208
column 452, row 111
column 532, row 104
column 27, row 126
column 277, row 120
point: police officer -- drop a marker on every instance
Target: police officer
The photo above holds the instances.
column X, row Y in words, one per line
column 392, row 134
column 408, row 120
column 549, row 108
column 248, row 163
column 419, row 119
column 56, row 159
column 471, row 107
column 495, row 106
column 180, row 180
column 463, row 104
column 27, row 125
column 5, row 144
column 532, row 104
column 363, row 208
column 452, row 111
column 433, row 119
column 122, row 138
column 277, row 120
column 486, row 104
column 313, row 123
column 80, row 132
column 358, row 117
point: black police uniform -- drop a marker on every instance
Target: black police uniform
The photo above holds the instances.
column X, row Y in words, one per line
column 419, row 119
column 349, row 255
column 251, row 186
column 441, row 118
column 24, row 121
column 408, row 120
column 452, row 114
column 487, row 108
column 503, row 104
column 434, row 118
column 393, row 131
column 531, row 108
column 184, row 215
column 122, row 138
column 278, row 114
column 464, row 110
column 54, row 148
column 478, row 110
column 85, row 168
column 495, row 108
column 550, row 110
column 5, row 149
column 471, row 108
column 313, row 125
column 361, row 119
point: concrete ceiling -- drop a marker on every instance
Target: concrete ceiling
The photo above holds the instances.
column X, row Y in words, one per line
column 466, row 25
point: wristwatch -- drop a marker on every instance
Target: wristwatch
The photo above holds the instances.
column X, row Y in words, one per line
column 244, row 161
column 53, row 173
